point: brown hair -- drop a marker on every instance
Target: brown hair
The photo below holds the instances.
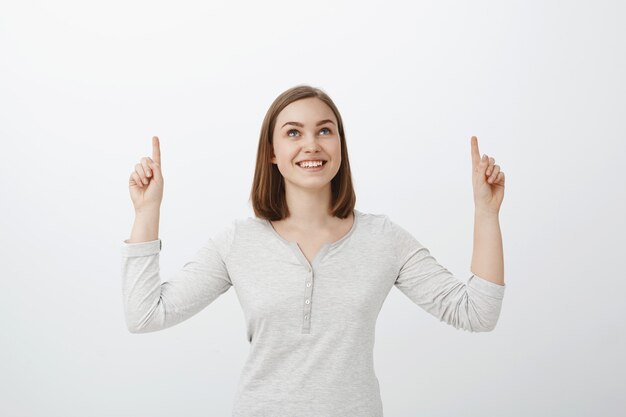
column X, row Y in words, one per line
column 268, row 187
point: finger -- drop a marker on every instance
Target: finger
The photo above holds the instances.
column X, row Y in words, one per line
column 156, row 150
column 481, row 169
column 142, row 175
column 490, row 167
column 136, row 179
column 494, row 174
column 146, row 167
column 132, row 180
column 475, row 151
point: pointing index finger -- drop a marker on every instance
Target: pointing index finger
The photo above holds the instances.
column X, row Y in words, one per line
column 156, row 150
column 475, row 152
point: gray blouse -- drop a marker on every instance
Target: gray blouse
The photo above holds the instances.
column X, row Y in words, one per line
column 310, row 325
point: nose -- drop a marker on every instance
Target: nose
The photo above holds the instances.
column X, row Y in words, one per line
column 310, row 143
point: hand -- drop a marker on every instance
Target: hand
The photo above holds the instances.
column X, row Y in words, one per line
column 146, row 181
column 487, row 181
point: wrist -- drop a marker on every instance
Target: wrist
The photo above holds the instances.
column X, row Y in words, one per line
column 148, row 211
column 486, row 213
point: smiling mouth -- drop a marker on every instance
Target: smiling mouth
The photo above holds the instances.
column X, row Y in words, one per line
column 312, row 168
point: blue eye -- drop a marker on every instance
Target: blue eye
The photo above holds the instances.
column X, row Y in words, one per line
column 294, row 130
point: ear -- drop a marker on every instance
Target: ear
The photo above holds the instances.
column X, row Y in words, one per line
column 273, row 159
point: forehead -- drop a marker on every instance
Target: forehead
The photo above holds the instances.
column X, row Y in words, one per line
column 307, row 110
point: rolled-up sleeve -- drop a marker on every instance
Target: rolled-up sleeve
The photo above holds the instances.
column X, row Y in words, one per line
column 150, row 304
column 473, row 306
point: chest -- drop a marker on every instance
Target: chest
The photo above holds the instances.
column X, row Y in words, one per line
column 278, row 293
column 311, row 243
column 310, row 247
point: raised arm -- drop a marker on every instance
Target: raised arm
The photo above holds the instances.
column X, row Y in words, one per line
column 149, row 303
column 473, row 306
column 488, row 186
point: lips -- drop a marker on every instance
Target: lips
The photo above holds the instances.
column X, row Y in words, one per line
column 318, row 168
column 315, row 160
column 311, row 160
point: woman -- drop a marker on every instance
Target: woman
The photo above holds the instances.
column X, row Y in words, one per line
column 310, row 271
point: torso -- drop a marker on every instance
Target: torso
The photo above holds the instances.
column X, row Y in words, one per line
column 311, row 243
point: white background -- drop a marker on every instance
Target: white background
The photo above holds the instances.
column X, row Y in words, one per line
column 85, row 85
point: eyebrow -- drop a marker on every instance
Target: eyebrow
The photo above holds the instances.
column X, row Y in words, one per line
column 321, row 122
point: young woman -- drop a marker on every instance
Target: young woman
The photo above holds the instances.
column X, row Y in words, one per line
column 310, row 271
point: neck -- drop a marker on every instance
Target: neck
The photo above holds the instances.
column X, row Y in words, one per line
column 309, row 208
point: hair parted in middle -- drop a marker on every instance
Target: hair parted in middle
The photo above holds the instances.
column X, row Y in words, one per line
column 268, row 187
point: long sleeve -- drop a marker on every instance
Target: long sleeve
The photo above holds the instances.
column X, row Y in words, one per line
column 473, row 306
column 150, row 304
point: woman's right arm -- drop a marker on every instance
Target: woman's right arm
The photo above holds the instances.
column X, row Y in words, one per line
column 149, row 303
column 146, row 226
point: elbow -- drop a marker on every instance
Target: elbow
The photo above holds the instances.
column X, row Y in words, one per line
column 478, row 326
column 138, row 324
column 130, row 321
column 472, row 317
column 136, row 329
column 492, row 327
column 471, row 322
column 483, row 313
column 142, row 320
column 132, row 327
column 135, row 326
column 473, row 327
column 483, row 329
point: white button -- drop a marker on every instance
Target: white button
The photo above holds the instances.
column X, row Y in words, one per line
column 307, row 301
column 306, row 317
column 308, row 284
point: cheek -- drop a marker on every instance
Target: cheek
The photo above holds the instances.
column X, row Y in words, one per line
column 282, row 154
column 285, row 158
column 335, row 149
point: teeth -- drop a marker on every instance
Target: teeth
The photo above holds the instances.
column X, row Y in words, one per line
column 310, row 164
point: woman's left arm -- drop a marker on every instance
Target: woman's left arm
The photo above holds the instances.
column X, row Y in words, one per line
column 488, row 185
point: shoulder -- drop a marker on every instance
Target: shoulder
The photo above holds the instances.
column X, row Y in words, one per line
column 378, row 223
column 243, row 230
column 391, row 231
column 370, row 220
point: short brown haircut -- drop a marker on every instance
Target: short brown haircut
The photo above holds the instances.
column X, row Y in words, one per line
column 268, row 187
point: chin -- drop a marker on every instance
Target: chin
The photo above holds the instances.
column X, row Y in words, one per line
column 313, row 184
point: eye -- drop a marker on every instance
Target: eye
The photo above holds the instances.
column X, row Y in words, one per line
column 295, row 130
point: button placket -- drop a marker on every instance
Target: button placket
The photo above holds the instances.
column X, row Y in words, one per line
column 310, row 266
column 308, row 296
